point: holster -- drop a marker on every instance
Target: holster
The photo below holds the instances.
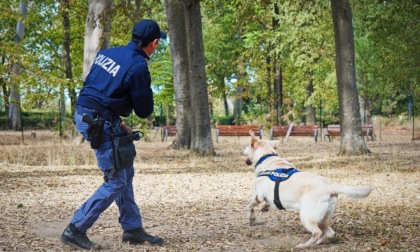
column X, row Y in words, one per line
column 124, row 150
column 95, row 130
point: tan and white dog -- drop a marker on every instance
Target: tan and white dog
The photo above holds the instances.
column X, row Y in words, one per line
column 313, row 195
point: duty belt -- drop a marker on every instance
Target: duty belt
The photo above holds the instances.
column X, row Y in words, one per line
column 105, row 114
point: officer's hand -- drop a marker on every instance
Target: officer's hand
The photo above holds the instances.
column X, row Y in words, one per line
column 126, row 128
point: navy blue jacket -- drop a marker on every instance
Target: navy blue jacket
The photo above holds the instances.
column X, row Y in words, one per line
column 119, row 81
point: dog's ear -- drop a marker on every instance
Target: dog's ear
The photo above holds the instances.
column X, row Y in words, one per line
column 275, row 143
column 253, row 140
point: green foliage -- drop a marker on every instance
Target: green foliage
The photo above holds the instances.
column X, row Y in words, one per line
column 239, row 37
column 222, row 120
column 387, row 53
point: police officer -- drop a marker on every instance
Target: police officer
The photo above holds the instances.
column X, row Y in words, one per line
column 118, row 82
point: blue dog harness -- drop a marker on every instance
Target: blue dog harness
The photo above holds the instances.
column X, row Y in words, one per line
column 277, row 176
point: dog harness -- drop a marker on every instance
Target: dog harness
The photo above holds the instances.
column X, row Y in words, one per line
column 278, row 175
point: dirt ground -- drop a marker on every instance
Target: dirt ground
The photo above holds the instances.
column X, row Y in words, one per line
column 198, row 204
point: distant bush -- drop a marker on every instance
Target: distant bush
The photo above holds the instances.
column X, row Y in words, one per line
column 32, row 120
column 222, row 120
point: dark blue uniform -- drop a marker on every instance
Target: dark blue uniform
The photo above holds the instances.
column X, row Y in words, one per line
column 118, row 83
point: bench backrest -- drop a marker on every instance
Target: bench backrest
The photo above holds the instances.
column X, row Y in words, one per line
column 334, row 130
column 237, row 130
column 367, row 130
column 279, row 130
column 169, row 130
column 299, row 130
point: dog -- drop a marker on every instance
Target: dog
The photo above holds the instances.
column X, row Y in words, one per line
column 313, row 195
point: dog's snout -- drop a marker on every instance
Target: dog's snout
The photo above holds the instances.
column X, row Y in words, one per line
column 248, row 161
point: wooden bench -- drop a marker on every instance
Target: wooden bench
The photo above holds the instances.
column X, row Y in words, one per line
column 367, row 131
column 237, row 130
column 167, row 131
column 333, row 130
column 301, row 130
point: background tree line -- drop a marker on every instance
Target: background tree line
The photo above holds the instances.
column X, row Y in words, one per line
column 266, row 62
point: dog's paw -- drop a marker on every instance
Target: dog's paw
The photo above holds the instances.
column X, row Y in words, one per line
column 265, row 208
column 259, row 223
column 252, row 220
column 301, row 246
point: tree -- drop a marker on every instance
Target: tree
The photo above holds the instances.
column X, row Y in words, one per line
column 387, row 54
column 14, row 105
column 193, row 116
column 350, row 121
column 98, row 31
column 221, row 50
column 65, row 12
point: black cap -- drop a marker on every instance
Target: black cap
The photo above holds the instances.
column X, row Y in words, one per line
column 145, row 31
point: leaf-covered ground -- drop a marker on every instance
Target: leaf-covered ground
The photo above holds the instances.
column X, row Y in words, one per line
column 198, row 204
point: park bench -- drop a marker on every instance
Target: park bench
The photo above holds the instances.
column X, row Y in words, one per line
column 300, row 130
column 333, row 130
column 237, row 130
column 167, row 131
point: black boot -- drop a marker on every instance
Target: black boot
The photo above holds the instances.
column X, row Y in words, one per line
column 139, row 236
column 73, row 237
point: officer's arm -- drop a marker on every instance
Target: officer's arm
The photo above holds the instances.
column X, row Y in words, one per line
column 141, row 93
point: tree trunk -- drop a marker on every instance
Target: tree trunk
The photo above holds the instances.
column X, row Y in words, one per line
column 97, row 35
column 187, row 49
column 237, row 106
column 167, row 115
column 278, row 75
column 351, row 128
column 65, row 12
column 176, row 16
column 310, row 110
column 268, row 68
column 15, row 117
column 364, row 100
column 6, row 92
column 224, row 96
column 97, row 32
column 202, row 142
column 64, row 9
column 241, row 78
column 278, row 90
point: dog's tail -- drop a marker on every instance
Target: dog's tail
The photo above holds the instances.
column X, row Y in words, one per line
column 356, row 192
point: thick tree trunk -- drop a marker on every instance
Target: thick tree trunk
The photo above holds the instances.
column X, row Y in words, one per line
column 350, row 121
column 187, row 50
column 176, row 16
column 201, row 130
column 97, row 32
column 15, row 117
column 97, row 35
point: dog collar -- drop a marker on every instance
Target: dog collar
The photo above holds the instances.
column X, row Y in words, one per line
column 264, row 158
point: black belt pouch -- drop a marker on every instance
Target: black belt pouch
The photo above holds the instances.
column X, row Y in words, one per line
column 124, row 151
